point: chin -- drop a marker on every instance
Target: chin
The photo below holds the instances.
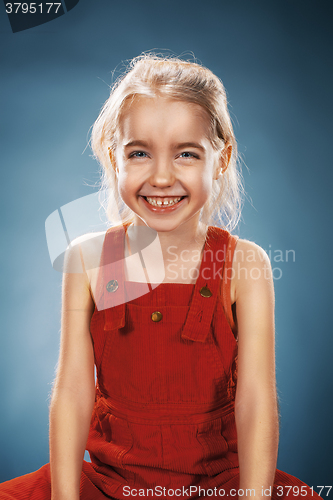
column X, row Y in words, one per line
column 165, row 226
column 162, row 228
column 158, row 225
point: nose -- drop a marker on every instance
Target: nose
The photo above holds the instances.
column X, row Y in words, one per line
column 163, row 174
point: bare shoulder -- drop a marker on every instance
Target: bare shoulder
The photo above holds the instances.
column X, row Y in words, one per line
column 84, row 252
column 251, row 268
column 82, row 259
column 247, row 252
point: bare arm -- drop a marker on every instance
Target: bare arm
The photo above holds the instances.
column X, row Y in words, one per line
column 256, row 399
column 74, row 389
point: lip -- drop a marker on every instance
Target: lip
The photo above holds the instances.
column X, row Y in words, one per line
column 162, row 210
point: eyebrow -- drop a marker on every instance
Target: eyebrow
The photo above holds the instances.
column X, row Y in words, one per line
column 136, row 143
column 195, row 145
column 181, row 145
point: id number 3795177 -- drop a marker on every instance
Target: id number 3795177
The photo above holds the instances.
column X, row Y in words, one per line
column 33, row 8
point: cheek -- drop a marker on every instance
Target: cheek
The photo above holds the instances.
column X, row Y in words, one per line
column 124, row 179
column 123, row 185
column 128, row 185
column 206, row 183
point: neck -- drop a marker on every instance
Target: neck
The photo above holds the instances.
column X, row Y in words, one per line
column 191, row 234
column 184, row 237
column 171, row 245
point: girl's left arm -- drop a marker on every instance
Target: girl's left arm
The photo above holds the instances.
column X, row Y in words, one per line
column 256, row 409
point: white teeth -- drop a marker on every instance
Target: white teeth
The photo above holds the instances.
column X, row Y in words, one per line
column 165, row 201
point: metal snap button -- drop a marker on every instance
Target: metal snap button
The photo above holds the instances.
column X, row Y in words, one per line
column 156, row 316
column 205, row 292
column 112, row 286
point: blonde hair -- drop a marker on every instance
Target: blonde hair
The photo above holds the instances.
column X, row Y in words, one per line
column 151, row 75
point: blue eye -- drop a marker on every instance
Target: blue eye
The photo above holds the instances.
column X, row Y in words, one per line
column 138, row 154
column 188, row 155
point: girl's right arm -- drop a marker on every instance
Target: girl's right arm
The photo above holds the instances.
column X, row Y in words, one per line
column 74, row 388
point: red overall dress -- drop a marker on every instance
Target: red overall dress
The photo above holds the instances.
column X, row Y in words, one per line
column 163, row 424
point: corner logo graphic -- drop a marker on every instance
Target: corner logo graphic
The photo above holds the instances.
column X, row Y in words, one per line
column 23, row 16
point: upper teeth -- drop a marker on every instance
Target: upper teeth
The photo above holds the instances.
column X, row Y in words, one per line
column 162, row 201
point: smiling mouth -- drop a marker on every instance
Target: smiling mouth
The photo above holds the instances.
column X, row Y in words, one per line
column 163, row 202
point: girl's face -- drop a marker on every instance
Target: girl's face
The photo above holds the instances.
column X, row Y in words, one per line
column 165, row 162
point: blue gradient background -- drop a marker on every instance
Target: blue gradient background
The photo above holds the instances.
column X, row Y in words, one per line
column 275, row 61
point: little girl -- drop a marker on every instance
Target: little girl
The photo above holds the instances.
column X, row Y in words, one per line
column 176, row 314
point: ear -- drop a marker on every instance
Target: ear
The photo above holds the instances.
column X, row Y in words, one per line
column 112, row 157
column 223, row 160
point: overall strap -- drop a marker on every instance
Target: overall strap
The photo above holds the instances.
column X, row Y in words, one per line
column 207, row 287
column 111, row 280
column 226, row 282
